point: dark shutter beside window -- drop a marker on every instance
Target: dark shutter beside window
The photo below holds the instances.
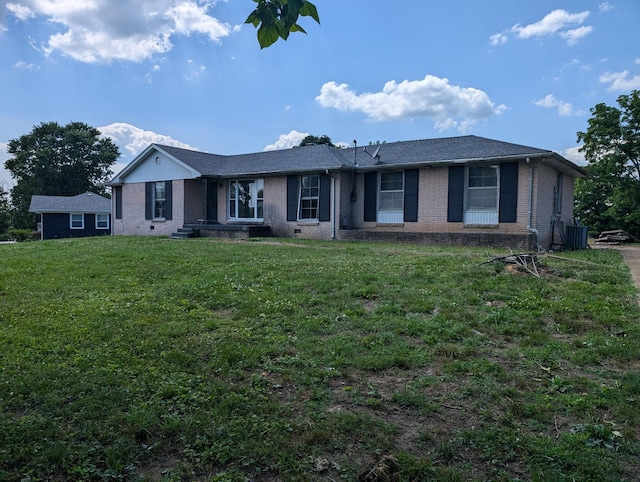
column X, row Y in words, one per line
column 411, row 178
column 455, row 201
column 292, row 198
column 148, row 200
column 117, row 194
column 324, row 208
column 508, row 192
column 168, row 200
column 370, row 196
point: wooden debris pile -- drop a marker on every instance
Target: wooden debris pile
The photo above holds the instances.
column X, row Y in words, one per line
column 526, row 261
column 617, row 236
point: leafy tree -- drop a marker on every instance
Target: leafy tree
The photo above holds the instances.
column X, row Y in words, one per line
column 276, row 19
column 609, row 198
column 57, row 160
column 314, row 140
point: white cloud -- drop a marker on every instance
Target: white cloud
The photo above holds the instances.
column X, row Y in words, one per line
column 21, row 12
column 287, row 141
column 564, row 108
column 552, row 23
column 605, row 7
column 22, row 65
column 572, row 36
column 194, row 72
column 620, row 81
column 575, row 156
column 103, row 30
column 557, row 22
column 134, row 140
column 498, row 38
column 191, row 18
column 448, row 106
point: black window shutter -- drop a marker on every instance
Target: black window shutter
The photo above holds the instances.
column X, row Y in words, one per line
column 455, row 201
column 370, row 196
column 324, row 209
column 508, row 212
column 168, row 200
column 148, row 200
column 117, row 194
column 411, row 178
column 292, row 198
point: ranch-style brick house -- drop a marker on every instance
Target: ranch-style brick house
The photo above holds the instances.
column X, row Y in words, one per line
column 458, row 190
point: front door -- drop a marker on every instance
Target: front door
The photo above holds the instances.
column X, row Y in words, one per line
column 212, row 200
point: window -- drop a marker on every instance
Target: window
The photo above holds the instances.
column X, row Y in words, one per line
column 102, row 221
column 246, row 199
column 158, row 204
column 76, row 221
column 159, row 200
column 309, row 197
column 482, row 195
column 391, row 199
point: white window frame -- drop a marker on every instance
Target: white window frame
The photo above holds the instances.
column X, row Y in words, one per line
column 256, row 199
column 487, row 215
column 309, row 198
column 71, row 220
column 106, row 219
column 394, row 214
column 159, row 204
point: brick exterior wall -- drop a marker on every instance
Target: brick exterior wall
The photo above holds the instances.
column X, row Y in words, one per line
column 194, row 202
column 545, row 179
column 432, row 225
column 133, row 220
column 348, row 211
column 275, row 214
column 514, row 241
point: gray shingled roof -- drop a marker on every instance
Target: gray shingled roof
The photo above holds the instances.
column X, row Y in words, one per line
column 299, row 159
column 87, row 202
column 446, row 150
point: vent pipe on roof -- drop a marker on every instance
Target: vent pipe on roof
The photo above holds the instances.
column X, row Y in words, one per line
column 355, row 153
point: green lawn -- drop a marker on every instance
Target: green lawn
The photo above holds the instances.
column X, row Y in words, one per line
column 154, row 359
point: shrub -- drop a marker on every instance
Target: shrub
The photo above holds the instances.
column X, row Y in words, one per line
column 21, row 235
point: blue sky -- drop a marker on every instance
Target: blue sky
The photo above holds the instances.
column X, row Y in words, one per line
column 190, row 73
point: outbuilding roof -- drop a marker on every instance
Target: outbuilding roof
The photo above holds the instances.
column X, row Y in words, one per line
column 87, row 202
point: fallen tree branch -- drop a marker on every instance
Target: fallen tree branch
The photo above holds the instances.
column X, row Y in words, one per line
column 527, row 261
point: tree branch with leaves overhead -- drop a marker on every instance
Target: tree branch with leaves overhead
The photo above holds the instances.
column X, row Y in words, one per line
column 276, row 19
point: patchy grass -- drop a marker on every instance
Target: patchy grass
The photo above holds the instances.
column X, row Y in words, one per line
column 151, row 359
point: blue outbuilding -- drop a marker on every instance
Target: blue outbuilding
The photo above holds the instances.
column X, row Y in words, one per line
column 86, row 214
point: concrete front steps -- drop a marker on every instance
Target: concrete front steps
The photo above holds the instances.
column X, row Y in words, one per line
column 235, row 231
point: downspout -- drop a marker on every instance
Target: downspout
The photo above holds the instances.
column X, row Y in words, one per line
column 530, row 228
column 333, row 205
